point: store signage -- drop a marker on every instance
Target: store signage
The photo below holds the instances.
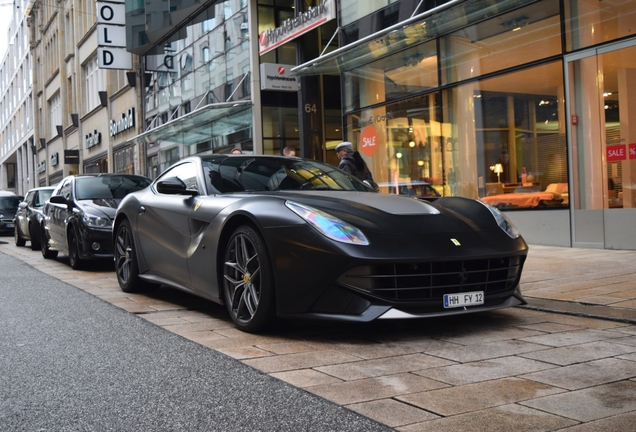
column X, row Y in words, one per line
column 632, row 151
column 378, row 118
column 297, row 26
column 71, row 157
column 111, row 36
column 55, row 159
column 93, row 139
column 41, row 167
column 276, row 77
column 616, row 153
column 126, row 122
column 368, row 141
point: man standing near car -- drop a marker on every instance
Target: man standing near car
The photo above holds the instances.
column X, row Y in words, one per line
column 352, row 163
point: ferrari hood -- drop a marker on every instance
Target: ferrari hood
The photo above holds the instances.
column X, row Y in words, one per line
column 391, row 204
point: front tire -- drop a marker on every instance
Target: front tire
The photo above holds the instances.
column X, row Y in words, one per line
column 44, row 246
column 73, row 251
column 19, row 240
column 248, row 285
column 126, row 265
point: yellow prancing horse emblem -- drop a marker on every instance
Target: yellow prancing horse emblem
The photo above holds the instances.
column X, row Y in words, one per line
column 197, row 205
column 456, row 242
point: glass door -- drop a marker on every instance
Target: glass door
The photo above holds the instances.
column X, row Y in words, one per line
column 601, row 87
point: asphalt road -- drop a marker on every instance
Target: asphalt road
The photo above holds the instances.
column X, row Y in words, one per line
column 72, row 362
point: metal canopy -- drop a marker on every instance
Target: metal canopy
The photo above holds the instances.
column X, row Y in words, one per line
column 203, row 124
column 420, row 28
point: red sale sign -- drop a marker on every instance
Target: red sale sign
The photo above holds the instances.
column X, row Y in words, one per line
column 616, row 153
column 369, row 141
column 632, row 151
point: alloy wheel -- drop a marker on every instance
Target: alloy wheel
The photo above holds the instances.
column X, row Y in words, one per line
column 123, row 254
column 243, row 282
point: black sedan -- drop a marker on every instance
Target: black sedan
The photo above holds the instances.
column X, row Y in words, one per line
column 8, row 206
column 29, row 217
column 78, row 218
column 275, row 236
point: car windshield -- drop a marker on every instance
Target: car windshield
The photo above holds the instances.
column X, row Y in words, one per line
column 249, row 173
column 108, row 187
column 10, row 202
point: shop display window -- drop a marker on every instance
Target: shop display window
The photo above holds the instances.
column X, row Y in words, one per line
column 407, row 72
column 592, row 22
column 514, row 38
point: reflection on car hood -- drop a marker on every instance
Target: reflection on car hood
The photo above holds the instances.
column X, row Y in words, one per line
column 106, row 207
column 392, row 204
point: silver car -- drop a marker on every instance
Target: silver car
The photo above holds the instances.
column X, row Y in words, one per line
column 28, row 218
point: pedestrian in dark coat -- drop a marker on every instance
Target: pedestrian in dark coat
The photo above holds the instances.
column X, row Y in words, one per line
column 352, row 163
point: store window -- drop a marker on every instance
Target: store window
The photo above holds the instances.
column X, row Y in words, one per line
column 510, row 139
column 401, row 142
column 522, row 36
column 591, row 22
column 454, row 140
column 407, row 72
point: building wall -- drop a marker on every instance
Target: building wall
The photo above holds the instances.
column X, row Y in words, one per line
column 74, row 93
column 17, row 164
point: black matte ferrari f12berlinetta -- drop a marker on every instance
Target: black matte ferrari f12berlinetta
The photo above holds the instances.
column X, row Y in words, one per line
column 292, row 238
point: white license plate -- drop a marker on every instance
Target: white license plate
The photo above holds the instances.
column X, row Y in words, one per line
column 463, row 299
column 10, row 225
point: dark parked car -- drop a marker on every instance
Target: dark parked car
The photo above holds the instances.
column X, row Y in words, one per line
column 28, row 218
column 274, row 236
column 8, row 205
column 78, row 218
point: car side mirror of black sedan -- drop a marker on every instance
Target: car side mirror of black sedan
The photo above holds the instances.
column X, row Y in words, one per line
column 174, row 186
column 58, row 199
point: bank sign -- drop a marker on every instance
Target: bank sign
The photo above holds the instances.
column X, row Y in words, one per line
column 276, row 77
column 293, row 27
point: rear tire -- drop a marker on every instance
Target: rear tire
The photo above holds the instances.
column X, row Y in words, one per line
column 44, row 246
column 19, row 240
column 248, row 284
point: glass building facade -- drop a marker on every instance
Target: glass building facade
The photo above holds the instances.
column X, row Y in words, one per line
column 523, row 104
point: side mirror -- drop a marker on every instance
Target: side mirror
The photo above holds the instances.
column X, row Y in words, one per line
column 58, row 199
column 23, row 205
column 174, row 186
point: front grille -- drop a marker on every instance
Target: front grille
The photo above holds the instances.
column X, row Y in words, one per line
column 431, row 280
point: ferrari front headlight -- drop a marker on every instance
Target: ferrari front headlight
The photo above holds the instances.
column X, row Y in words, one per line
column 330, row 226
column 503, row 222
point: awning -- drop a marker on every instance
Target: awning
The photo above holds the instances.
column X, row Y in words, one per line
column 413, row 31
column 201, row 125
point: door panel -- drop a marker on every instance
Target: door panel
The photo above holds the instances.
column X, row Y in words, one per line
column 164, row 235
column 602, row 105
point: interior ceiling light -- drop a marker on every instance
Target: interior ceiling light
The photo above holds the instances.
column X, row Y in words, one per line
column 515, row 24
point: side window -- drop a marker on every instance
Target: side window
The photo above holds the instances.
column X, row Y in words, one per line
column 186, row 172
column 65, row 189
column 30, row 198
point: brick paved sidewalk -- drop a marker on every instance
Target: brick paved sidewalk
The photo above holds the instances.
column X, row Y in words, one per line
column 514, row 369
column 590, row 282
